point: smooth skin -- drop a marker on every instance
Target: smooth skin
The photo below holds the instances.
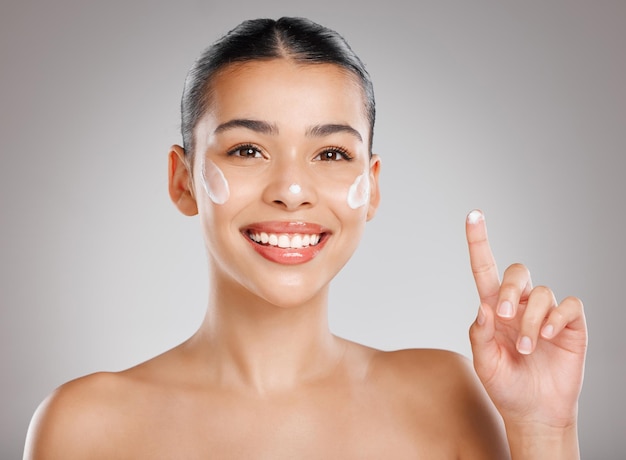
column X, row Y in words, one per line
column 263, row 377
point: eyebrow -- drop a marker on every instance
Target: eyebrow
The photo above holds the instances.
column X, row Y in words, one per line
column 332, row 128
column 264, row 127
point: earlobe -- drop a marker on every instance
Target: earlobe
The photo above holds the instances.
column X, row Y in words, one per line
column 374, row 187
column 180, row 183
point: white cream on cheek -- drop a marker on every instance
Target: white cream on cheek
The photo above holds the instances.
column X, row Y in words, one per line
column 214, row 182
column 359, row 192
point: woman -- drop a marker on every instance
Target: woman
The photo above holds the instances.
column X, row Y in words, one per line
column 277, row 124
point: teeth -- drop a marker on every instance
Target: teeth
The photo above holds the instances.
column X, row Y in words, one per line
column 285, row 241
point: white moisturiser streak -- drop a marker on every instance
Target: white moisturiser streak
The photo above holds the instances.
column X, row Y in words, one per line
column 359, row 192
column 214, row 182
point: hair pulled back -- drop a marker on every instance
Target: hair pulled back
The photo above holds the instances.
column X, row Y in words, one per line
column 258, row 39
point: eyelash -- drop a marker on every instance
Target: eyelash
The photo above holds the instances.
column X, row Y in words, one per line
column 342, row 152
column 247, row 147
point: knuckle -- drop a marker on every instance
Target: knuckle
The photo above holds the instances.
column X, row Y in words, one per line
column 509, row 287
column 517, row 268
column 534, row 318
column 518, row 272
column 482, row 267
column 477, row 240
column 544, row 292
column 557, row 317
column 575, row 301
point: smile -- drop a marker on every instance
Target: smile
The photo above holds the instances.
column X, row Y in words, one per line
column 285, row 241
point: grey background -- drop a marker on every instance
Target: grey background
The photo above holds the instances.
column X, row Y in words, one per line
column 518, row 108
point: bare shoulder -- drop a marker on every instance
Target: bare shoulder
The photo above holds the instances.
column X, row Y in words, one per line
column 80, row 418
column 427, row 369
column 431, row 370
column 442, row 389
column 71, row 422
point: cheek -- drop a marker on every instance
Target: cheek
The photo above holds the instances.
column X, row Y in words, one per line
column 359, row 192
column 214, row 182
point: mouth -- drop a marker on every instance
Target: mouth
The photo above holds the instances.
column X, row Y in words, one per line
column 287, row 243
column 286, row 240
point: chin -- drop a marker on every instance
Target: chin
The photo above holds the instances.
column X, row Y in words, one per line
column 295, row 296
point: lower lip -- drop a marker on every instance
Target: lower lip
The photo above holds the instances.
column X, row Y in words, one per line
column 288, row 256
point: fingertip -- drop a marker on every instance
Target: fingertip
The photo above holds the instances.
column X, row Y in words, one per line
column 525, row 345
column 548, row 331
column 475, row 216
column 506, row 310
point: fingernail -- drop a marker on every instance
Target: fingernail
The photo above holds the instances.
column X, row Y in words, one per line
column 547, row 331
column 525, row 345
column 475, row 216
column 480, row 319
column 505, row 309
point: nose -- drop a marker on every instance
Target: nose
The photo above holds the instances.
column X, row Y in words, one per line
column 290, row 188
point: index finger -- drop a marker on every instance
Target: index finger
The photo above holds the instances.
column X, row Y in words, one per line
column 483, row 264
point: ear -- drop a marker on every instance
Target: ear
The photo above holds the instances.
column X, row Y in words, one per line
column 180, row 182
column 374, row 187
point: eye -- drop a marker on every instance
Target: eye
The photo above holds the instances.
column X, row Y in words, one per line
column 334, row 154
column 245, row 151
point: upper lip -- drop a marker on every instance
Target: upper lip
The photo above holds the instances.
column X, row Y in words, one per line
column 288, row 227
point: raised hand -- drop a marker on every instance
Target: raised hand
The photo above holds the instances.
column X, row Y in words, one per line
column 529, row 350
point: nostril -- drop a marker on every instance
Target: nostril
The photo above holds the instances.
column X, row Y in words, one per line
column 291, row 204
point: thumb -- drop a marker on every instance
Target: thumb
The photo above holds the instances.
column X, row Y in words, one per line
column 484, row 345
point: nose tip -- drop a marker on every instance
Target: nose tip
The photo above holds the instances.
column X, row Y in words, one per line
column 290, row 194
column 292, row 201
column 295, row 188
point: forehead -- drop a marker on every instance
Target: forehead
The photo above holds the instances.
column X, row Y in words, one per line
column 283, row 90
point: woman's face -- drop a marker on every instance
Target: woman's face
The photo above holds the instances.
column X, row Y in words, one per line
column 283, row 179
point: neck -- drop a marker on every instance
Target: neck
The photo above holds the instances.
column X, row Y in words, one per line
column 253, row 343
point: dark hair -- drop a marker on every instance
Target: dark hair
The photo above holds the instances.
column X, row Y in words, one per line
column 295, row 38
